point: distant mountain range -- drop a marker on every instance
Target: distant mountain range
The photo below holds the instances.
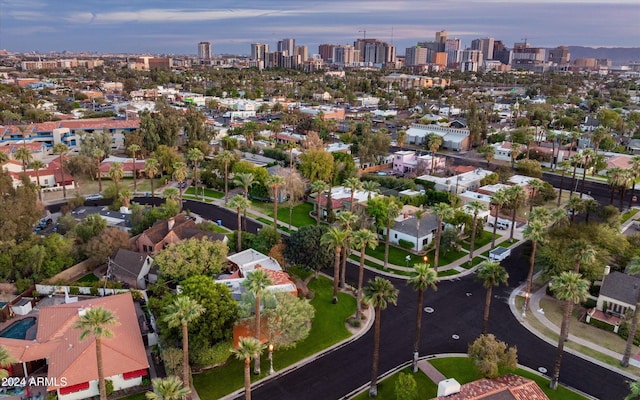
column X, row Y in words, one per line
column 618, row 55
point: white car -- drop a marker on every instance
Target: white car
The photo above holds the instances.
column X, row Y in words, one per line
column 96, row 196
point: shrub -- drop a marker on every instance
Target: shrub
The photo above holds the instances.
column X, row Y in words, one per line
column 172, row 358
column 594, row 290
column 23, row 284
column 108, row 386
column 74, row 290
column 94, row 291
column 215, row 355
column 590, row 303
column 354, row 322
column 623, row 332
column 405, row 244
column 406, row 387
column 603, row 325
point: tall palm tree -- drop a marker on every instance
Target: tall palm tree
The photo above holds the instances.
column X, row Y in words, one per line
column 169, row 388
column 588, row 158
column 61, row 149
column 401, row 137
column 633, row 269
column 171, row 193
column 571, row 288
column 535, row 185
column 499, row 199
column 240, row 203
column 434, row 143
column 246, row 180
column 248, row 349
column 347, row 220
column 424, row 277
column 634, row 172
column 352, row 184
column 125, row 197
column 274, row 182
column 475, row 207
column 335, row 239
column 24, row 156
column 516, row 194
column 370, row 187
column 537, row 233
column 420, row 212
column 37, row 165
column 583, row 252
column 362, row 239
column 378, row 294
column 226, row 157
column 180, row 173
column 491, row 274
column 116, row 173
column 393, row 210
column 257, row 283
column 590, row 206
column 195, row 156
column 151, row 169
column 444, row 212
column 564, row 165
column 181, row 313
column 97, row 154
column 575, row 205
column 5, row 361
column 133, row 150
column 96, row 322
column 319, row 187
column 575, row 160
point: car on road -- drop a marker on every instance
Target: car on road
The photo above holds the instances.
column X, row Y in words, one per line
column 96, row 196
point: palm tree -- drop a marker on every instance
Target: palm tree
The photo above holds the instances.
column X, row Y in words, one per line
column 116, row 173
column 370, row 187
column 98, row 154
column 537, row 233
column 181, row 313
column 444, row 212
column 275, row 182
column 634, row 390
column 435, row 141
column 257, row 283
column 535, row 185
column 240, row 204
column 474, row 206
column 335, row 239
column 151, row 169
column 171, row 193
column 37, row 165
column 590, row 206
column 96, row 322
column 125, row 198
column 378, row 294
column 633, row 269
column 576, row 206
column 195, row 156
column 392, row 211
column 516, row 193
column 424, row 277
column 169, row 388
column 588, row 158
column 180, row 173
column 346, row 219
column 362, row 239
column 499, row 199
column 584, row 253
column 226, row 157
column 5, row 361
column 248, row 349
column 319, row 187
column 352, row 184
column 572, row 289
column 401, row 137
column 575, row 160
column 564, row 165
column 634, row 172
column 134, row 149
column 24, row 156
column 491, row 274
column 61, row 149
column 246, row 180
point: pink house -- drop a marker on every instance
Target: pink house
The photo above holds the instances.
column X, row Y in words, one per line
column 408, row 162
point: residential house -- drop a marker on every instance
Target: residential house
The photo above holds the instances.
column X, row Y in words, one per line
column 408, row 162
column 507, row 387
column 50, row 176
column 37, row 149
column 69, row 361
column 618, row 293
column 405, row 228
column 453, row 139
column 340, row 199
column 127, row 166
column 458, row 183
column 130, row 267
column 165, row 232
column 503, row 150
column 115, row 219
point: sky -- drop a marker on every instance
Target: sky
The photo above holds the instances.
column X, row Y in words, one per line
column 175, row 27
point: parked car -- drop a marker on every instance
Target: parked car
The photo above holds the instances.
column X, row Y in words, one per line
column 96, row 196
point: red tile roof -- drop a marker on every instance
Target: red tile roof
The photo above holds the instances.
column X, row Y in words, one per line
column 508, row 386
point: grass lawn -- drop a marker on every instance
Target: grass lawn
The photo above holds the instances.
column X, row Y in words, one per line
column 448, row 257
column 328, row 329
column 386, row 388
column 396, row 256
column 463, row 370
column 299, row 217
column 207, row 192
column 447, row 272
column 269, row 222
column 625, row 217
column 481, row 240
column 88, row 278
column 139, row 396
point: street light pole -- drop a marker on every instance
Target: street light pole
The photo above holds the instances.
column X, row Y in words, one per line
column 407, row 259
column 271, row 371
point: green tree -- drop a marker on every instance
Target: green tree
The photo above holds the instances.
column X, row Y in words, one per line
column 195, row 156
column 537, row 233
column 572, row 289
column 289, row 321
column 401, row 137
column 96, row 322
column 370, row 187
column 303, row 248
column 352, row 184
column 194, row 124
column 406, row 387
column 274, row 182
column 491, row 274
column 516, row 195
column 90, row 227
column 37, row 165
column 583, row 254
column 378, row 294
column 498, row 200
column 633, row 269
column 61, row 149
column 384, row 210
column 434, row 142
column 134, row 150
column 226, row 158
column 316, row 165
column 490, row 354
column 5, row 362
column 116, row 173
column 444, row 212
column 248, row 349
column 98, row 154
column 319, row 187
column 24, row 156
column 169, row 388
column 362, row 239
column 180, row 173
column 488, row 152
column 347, row 220
column 151, row 169
column 334, row 238
column 180, row 313
column 241, row 204
column 634, row 390
column 475, row 207
column 246, row 180
column 257, row 283
column 423, row 278
column 191, row 257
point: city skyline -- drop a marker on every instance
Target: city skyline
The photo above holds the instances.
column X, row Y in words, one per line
column 168, row 27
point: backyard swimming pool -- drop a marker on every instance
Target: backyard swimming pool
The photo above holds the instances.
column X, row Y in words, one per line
column 18, row 330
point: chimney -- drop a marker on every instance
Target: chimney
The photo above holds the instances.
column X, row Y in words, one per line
column 406, row 215
column 170, row 223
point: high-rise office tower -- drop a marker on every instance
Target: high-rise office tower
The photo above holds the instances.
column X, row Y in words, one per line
column 452, row 48
column 303, row 52
column 288, row 45
column 441, row 39
column 259, row 51
column 415, row 56
column 528, row 58
column 326, row 52
column 345, row 55
column 560, row 55
column 485, row 46
column 501, row 53
column 204, row 51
